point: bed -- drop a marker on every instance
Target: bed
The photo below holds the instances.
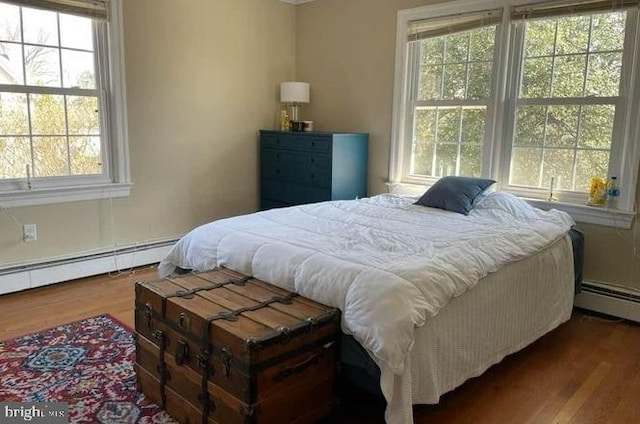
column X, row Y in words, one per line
column 432, row 297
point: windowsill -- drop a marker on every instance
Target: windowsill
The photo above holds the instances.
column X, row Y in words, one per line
column 589, row 214
column 580, row 213
column 46, row 196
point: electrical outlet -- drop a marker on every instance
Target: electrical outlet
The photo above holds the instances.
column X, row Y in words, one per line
column 29, row 233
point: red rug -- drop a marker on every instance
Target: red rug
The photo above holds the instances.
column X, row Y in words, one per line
column 87, row 364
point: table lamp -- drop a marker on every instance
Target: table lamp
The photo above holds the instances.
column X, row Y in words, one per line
column 293, row 94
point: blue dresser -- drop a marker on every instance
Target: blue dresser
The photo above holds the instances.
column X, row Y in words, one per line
column 307, row 167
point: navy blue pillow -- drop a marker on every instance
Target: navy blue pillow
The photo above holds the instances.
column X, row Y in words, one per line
column 455, row 194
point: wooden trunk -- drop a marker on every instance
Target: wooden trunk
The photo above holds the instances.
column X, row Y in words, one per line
column 221, row 347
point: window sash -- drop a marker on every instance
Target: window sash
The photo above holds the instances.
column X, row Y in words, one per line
column 620, row 129
column 412, row 103
column 100, row 34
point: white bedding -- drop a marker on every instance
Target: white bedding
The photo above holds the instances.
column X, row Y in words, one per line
column 388, row 264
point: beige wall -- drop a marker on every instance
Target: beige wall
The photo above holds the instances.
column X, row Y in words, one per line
column 346, row 50
column 202, row 78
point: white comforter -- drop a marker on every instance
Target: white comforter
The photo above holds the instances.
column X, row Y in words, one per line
column 386, row 263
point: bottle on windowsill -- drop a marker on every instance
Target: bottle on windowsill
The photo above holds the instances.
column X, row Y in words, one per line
column 613, row 193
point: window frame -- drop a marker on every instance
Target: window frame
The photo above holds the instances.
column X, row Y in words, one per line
column 115, row 180
column 625, row 153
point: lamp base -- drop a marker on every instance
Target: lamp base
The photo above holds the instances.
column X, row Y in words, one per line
column 294, row 112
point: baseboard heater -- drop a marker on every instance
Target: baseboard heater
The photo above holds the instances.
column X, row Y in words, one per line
column 37, row 274
column 610, row 300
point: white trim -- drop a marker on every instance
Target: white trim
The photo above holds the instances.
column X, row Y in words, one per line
column 118, row 96
column 618, row 305
column 42, row 274
column 589, row 214
column 295, row 2
column 52, row 195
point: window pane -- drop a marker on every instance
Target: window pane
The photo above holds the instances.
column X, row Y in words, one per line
column 47, row 114
column 479, row 80
column 530, row 126
column 50, row 156
column 473, row 125
column 481, row 44
column 573, row 34
column 608, row 31
column 525, row 166
column 539, row 38
column 446, row 159
column 9, row 23
column 449, row 124
column 456, row 47
column 43, row 66
column 568, row 76
column 11, row 71
column 470, row 159
column 536, row 77
column 425, row 124
column 603, row 77
column 562, row 126
column 78, row 70
column 558, row 163
column 85, row 155
column 40, row 26
column 15, row 154
column 76, row 32
column 454, row 82
column 432, row 51
column 423, row 158
column 430, row 82
column 596, row 126
column 590, row 163
column 83, row 115
column 14, row 119
column 425, row 134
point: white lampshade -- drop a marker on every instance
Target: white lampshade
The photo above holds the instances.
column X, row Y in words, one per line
column 294, row 92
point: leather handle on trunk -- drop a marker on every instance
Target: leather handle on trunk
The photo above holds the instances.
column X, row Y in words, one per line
column 298, row 368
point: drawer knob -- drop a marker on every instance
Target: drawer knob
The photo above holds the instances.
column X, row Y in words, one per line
column 313, row 160
column 313, row 143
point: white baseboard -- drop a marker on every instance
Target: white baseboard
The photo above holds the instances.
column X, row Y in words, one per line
column 609, row 300
column 42, row 274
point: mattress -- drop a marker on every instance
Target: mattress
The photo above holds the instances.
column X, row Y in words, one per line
column 504, row 313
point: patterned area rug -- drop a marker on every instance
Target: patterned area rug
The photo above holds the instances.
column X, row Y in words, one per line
column 87, row 364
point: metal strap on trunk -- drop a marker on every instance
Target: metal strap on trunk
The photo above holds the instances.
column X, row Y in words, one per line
column 233, row 315
column 184, row 293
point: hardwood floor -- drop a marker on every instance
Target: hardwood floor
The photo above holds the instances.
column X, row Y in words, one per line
column 586, row 371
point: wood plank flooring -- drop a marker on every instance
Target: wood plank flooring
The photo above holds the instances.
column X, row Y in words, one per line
column 586, row 371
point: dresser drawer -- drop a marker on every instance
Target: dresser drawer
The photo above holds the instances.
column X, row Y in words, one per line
column 291, row 141
column 296, row 167
column 287, row 192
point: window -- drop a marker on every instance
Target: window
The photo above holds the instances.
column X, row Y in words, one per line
column 529, row 94
column 60, row 87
